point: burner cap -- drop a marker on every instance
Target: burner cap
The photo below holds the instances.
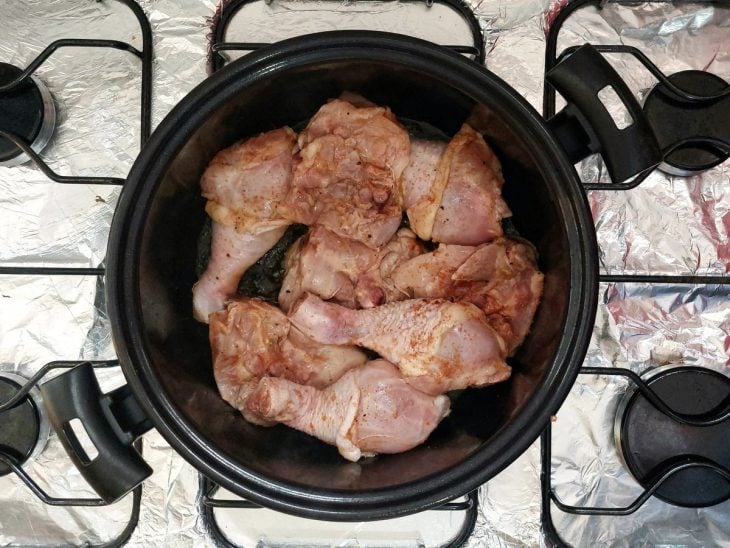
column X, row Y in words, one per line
column 649, row 440
column 20, row 427
column 26, row 110
column 675, row 119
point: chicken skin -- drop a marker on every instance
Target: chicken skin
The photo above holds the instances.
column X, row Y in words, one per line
column 244, row 185
column 438, row 345
column 231, row 254
column 251, row 339
column 441, row 304
column 369, row 410
column 345, row 271
column 352, row 155
column 421, row 171
column 501, row 278
column 452, row 194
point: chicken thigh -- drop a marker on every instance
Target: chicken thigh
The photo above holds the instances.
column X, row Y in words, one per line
column 375, row 286
column 251, row 339
column 455, row 199
column 437, row 344
column 244, row 185
column 421, row 171
column 501, row 278
column 352, row 156
column 345, row 271
column 369, row 410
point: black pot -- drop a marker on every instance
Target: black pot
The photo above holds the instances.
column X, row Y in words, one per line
column 165, row 354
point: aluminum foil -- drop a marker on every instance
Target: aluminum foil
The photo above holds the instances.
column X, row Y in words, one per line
column 667, row 225
column 96, row 92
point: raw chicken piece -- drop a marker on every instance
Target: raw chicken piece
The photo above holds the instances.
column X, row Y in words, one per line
column 245, row 182
column 513, row 290
column 231, row 254
column 352, row 155
column 375, row 286
column 370, row 410
column 438, row 345
column 420, row 174
column 501, row 278
column 345, row 271
column 325, row 264
column 456, row 200
column 251, row 339
column 244, row 185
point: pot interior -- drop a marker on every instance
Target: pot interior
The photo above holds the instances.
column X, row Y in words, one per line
column 178, row 345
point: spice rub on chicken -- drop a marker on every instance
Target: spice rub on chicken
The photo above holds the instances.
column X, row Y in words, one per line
column 252, row 339
column 500, row 277
column 438, row 345
column 346, row 271
column 453, row 193
column 244, row 185
column 352, row 155
column 404, row 257
column 369, row 410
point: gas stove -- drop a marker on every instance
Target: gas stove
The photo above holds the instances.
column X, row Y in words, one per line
column 636, row 455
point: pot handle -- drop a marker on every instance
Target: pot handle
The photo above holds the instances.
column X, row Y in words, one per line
column 585, row 126
column 112, row 422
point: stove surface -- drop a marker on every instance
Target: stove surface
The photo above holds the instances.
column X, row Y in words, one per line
column 667, row 225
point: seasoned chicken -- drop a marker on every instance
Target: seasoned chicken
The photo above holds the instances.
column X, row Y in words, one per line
column 231, row 254
column 437, row 344
column 375, row 286
column 369, row 410
column 421, row 171
column 443, row 320
column 244, row 185
column 345, row 271
column 251, row 339
column 352, row 156
column 501, row 278
column 454, row 196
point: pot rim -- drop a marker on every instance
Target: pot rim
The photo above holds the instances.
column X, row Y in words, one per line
column 172, row 134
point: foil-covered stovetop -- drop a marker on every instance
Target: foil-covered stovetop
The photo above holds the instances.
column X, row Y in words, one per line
column 668, row 225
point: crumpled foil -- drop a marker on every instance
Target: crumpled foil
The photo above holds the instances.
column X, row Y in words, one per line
column 43, row 318
column 667, row 225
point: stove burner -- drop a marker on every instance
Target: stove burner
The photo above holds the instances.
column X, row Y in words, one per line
column 26, row 110
column 24, row 429
column 649, row 440
column 703, row 126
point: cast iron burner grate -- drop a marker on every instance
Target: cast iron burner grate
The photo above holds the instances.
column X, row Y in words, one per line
column 674, row 443
column 229, row 9
column 11, row 85
column 27, row 120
